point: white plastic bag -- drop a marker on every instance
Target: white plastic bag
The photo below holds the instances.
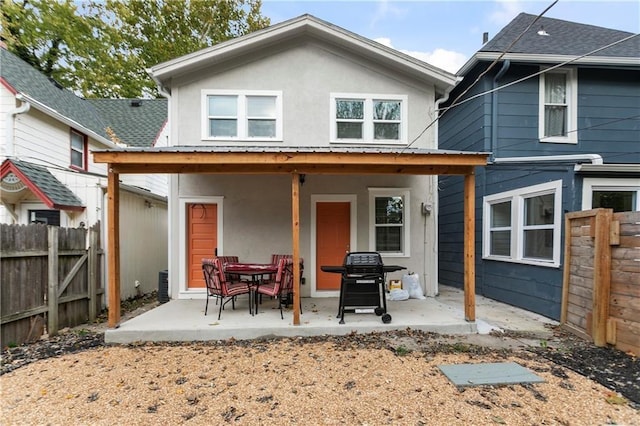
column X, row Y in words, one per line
column 398, row 294
column 411, row 282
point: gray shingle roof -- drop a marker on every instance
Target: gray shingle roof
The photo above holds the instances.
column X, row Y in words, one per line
column 26, row 79
column 58, row 193
column 134, row 126
column 136, row 122
column 565, row 38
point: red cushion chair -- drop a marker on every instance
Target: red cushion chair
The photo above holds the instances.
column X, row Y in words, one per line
column 219, row 286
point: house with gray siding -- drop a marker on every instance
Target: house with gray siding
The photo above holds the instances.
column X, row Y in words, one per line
column 557, row 104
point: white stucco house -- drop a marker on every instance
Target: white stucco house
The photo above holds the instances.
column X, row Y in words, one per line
column 352, row 121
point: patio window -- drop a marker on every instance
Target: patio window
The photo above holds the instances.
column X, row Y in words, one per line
column 254, row 116
column 368, row 118
column 389, row 219
column 78, row 150
column 524, row 225
column 558, row 106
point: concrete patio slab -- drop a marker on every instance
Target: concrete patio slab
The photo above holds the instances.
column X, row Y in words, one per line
column 184, row 320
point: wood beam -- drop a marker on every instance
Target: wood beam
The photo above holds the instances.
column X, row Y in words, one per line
column 292, row 158
column 113, row 246
column 295, row 228
column 311, row 169
column 469, row 247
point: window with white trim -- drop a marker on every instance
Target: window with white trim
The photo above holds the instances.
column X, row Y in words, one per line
column 78, row 150
column 389, row 221
column 357, row 118
column 558, row 114
column 235, row 115
column 619, row 194
column 523, row 225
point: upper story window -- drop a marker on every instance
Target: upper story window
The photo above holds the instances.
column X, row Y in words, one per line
column 234, row 115
column 558, row 106
column 389, row 221
column 524, row 225
column 357, row 118
column 78, row 150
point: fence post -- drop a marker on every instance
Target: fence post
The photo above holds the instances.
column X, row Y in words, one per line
column 52, row 289
column 92, row 267
column 601, row 276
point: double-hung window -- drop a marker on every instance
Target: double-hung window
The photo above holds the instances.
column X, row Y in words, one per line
column 524, row 225
column 78, row 150
column 368, row 118
column 389, row 221
column 558, row 106
column 232, row 115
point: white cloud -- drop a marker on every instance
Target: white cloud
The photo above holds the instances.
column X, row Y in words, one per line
column 385, row 9
column 448, row 60
column 505, row 11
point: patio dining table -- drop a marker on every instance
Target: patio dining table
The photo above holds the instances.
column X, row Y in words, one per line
column 254, row 271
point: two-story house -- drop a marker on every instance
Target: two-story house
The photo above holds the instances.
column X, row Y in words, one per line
column 300, row 137
column 47, row 174
column 557, row 104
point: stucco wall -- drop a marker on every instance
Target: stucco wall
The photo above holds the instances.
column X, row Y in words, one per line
column 306, row 75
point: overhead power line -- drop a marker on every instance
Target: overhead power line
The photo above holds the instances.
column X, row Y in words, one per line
column 456, row 102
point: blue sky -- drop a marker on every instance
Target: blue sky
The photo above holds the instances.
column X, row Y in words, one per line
column 447, row 33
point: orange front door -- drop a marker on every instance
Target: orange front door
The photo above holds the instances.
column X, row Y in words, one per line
column 202, row 237
column 333, row 234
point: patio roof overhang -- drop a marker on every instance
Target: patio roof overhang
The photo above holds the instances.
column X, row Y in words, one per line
column 295, row 162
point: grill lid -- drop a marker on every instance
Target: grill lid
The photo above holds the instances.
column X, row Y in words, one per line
column 363, row 262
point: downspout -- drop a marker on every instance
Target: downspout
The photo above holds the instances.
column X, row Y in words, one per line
column 172, row 196
column 10, row 151
column 494, row 109
column 432, row 290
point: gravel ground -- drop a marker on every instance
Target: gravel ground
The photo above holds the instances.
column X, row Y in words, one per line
column 380, row 378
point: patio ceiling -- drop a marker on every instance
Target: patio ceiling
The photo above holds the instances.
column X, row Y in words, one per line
column 295, row 162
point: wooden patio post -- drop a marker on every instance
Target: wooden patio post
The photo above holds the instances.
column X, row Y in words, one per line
column 113, row 246
column 295, row 228
column 469, row 247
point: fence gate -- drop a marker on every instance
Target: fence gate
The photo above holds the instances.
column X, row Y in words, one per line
column 50, row 279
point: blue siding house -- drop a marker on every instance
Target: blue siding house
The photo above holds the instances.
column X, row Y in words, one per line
column 557, row 104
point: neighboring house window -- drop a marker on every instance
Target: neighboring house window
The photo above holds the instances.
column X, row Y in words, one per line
column 389, row 219
column 558, row 106
column 621, row 195
column 78, row 150
column 48, row 217
column 229, row 115
column 524, row 225
column 368, row 118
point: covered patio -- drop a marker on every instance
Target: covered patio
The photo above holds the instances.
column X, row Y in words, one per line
column 295, row 162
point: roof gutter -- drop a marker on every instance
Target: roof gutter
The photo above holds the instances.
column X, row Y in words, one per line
column 55, row 114
column 593, row 158
column 11, row 114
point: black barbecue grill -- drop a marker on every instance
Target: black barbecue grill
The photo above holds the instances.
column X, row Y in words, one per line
column 362, row 284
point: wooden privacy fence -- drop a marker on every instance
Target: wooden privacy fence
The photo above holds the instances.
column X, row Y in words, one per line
column 601, row 283
column 49, row 276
